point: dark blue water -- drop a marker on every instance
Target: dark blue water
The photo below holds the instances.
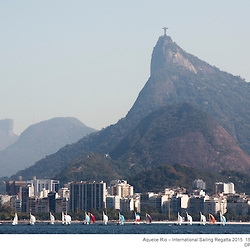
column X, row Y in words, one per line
column 112, row 228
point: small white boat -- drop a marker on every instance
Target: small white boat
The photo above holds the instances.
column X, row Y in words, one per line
column 180, row 219
column 189, row 219
column 203, row 219
column 15, row 220
column 63, row 218
column 137, row 219
column 105, row 218
column 32, row 219
column 87, row 219
column 67, row 219
column 148, row 218
column 222, row 219
column 52, row 218
column 121, row 219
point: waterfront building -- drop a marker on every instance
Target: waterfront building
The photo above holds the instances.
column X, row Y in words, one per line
column 44, row 184
column 215, row 205
column 85, row 196
column 196, row 203
column 14, row 187
column 152, row 200
column 237, row 204
column 225, row 188
column 127, row 205
column 113, row 201
column 120, row 188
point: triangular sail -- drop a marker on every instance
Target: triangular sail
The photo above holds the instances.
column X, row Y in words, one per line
column 212, row 219
column 202, row 219
column 121, row 219
column 52, row 218
column 15, row 220
column 92, row 217
column 223, row 219
column 63, row 218
column 67, row 219
column 137, row 218
column 148, row 218
column 32, row 219
column 180, row 219
column 105, row 218
column 189, row 219
column 87, row 218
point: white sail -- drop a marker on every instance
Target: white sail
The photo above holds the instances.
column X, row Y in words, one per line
column 202, row 219
column 32, row 219
column 105, row 218
column 189, row 219
column 52, row 218
column 67, row 219
column 179, row 219
column 87, row 218
column 63, row 218
column 121, row 219
column 15, row 220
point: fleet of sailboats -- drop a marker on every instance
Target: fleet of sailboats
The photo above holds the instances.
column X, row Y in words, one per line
column 90, row 218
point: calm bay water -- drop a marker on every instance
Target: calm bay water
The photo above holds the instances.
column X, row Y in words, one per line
column 112, row 228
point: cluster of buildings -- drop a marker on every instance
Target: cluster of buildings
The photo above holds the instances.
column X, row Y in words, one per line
column 43, row 196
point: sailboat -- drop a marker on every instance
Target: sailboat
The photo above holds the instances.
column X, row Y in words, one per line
column 92, row 218
column 15, row 220
column 105, row 218
column 67, row 219
column 222, row 219
column 52, row 218
column 63, row 218
column 211, row 219
column 87, row 219
column 189, row 219
column 121, row 219
column 148, row 218
column 202, row 219
column 180, row 219
column 137, row 218
column 32, row 219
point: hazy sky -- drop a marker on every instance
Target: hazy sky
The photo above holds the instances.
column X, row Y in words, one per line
column 90, row 59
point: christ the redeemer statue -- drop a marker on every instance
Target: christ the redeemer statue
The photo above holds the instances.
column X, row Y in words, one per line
column 165, row 29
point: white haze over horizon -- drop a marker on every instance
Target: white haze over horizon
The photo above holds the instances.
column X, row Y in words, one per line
column 90, row 59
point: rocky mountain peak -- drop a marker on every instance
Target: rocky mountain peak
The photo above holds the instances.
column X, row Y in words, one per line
column 167, row 52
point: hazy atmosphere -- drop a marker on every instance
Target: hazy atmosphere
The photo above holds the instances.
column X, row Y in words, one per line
column 90, row 59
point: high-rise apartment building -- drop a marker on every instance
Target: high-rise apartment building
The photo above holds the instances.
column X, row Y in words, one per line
column 85, row 196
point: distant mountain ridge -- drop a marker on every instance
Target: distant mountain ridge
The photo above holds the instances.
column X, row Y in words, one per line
column 180, row 134
column 39, row 140
column 176, row 77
